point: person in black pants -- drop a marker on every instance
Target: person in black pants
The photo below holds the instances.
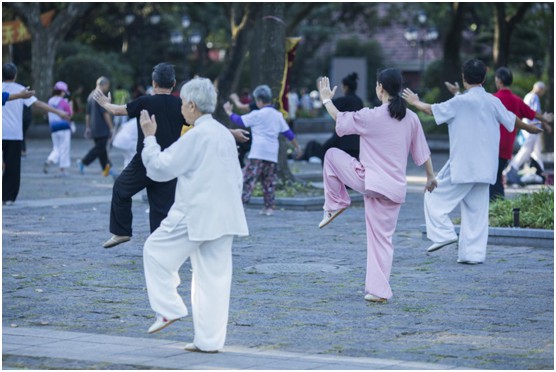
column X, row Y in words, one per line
column 167, row 111
column 350, row 144
column 99, row 127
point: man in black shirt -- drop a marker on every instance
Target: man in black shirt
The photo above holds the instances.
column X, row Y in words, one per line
column 167, row 110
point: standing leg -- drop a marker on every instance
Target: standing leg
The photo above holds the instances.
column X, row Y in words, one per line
column 65, row 149
column 536, row 154
column 339, row 170
column 94, row 152
column 11, row 178
column 474, row 224
column 524, row 153
column 268, row 178
column 164, row 253
column 439, row 203
column 161, row 197
column 132, row 180
column 210, row 292
column 54, row 157
column 251, row 174
column 102, row 152
column 381, row 218
column 497, row 190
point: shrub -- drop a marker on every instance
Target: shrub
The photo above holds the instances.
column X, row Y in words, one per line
column 536, row 210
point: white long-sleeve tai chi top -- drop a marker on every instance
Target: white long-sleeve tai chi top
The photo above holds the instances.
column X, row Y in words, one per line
column 208, row 191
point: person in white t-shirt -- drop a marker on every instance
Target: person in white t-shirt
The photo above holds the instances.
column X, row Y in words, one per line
column 266, row 124
column 473, row 120
column 12, row 132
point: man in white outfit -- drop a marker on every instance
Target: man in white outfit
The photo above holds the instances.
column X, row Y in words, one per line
column 206, row 214
column 473, row 120
column 532, row 147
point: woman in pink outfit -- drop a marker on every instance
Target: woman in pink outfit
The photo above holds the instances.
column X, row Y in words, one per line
column 388, row 134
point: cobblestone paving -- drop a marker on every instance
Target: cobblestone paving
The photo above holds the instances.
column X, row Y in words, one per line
column 308, row 297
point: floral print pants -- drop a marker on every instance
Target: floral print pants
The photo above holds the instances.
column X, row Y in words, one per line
column 264, row 170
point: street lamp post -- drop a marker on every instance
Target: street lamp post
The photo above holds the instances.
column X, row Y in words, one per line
column 420, row 37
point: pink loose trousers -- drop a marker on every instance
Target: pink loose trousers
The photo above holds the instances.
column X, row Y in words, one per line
column 381, row 216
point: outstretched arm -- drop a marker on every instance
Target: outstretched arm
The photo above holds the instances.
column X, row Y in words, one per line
column 413, row 100
column 527, row 127
column 45, row 107
column 323, row 85
column 106, row 103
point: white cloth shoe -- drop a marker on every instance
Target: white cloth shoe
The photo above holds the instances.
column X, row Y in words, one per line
column 194, row 348
column 115, row 240
column 329, row 216
column 372, row 298
column 469, row 262
column 437, row 246
column 160, row 323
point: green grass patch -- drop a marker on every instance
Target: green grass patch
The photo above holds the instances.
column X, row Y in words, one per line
column 536, row 210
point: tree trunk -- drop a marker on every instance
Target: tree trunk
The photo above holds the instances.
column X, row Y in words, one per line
column 452, row 44
column 548, row 17
column 45, row 40
column 503, row 29
column 241, row 36
column 268, row 62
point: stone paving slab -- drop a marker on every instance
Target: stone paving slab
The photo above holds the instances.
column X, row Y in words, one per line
column 41, row 343
column 56, row 277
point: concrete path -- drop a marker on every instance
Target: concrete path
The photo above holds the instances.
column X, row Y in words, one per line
column 94, row 351
column 297, row 291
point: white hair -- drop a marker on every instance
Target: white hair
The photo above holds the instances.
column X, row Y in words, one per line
column 202, row 93
column 539, row 85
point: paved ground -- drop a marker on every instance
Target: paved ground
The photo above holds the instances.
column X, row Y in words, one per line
column 297, row 293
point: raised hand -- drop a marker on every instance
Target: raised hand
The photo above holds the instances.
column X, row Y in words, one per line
column 101, row 98
column 453, row 88
column 410, row 97
column 323, row 85
column 148, row 124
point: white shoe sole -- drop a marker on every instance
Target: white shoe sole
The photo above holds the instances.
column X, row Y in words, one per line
column 323, row 223
column 436, row 246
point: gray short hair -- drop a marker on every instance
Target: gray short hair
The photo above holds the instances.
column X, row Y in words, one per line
column 263, row 93
column 202, row 93
column 539, row 85
column 102, row 81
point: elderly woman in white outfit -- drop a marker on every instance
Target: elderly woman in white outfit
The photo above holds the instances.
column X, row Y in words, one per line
column 201, row 223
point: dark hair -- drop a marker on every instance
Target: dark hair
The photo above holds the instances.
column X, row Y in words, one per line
column 391, row 80
column 9, row 71
column 350, row 81
column 474, row 71
column 56, row 92
column 164, row 75
column 505, row 75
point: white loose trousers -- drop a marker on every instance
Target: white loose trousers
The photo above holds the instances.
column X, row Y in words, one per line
column 531, row 148
column 60, row 154
column 473, row 199
column 164, row 253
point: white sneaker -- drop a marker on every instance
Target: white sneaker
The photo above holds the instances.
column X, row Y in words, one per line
column 267, row 211
column 372, row 298
column 194, row 348
column 329, row 216
column 437, row 246
column 160, row 323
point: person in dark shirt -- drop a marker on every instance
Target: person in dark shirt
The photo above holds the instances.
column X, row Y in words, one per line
column 167, row 110
column 99, row 127
column 350, row 144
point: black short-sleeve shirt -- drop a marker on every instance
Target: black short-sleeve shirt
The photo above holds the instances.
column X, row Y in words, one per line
column 167, row 111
